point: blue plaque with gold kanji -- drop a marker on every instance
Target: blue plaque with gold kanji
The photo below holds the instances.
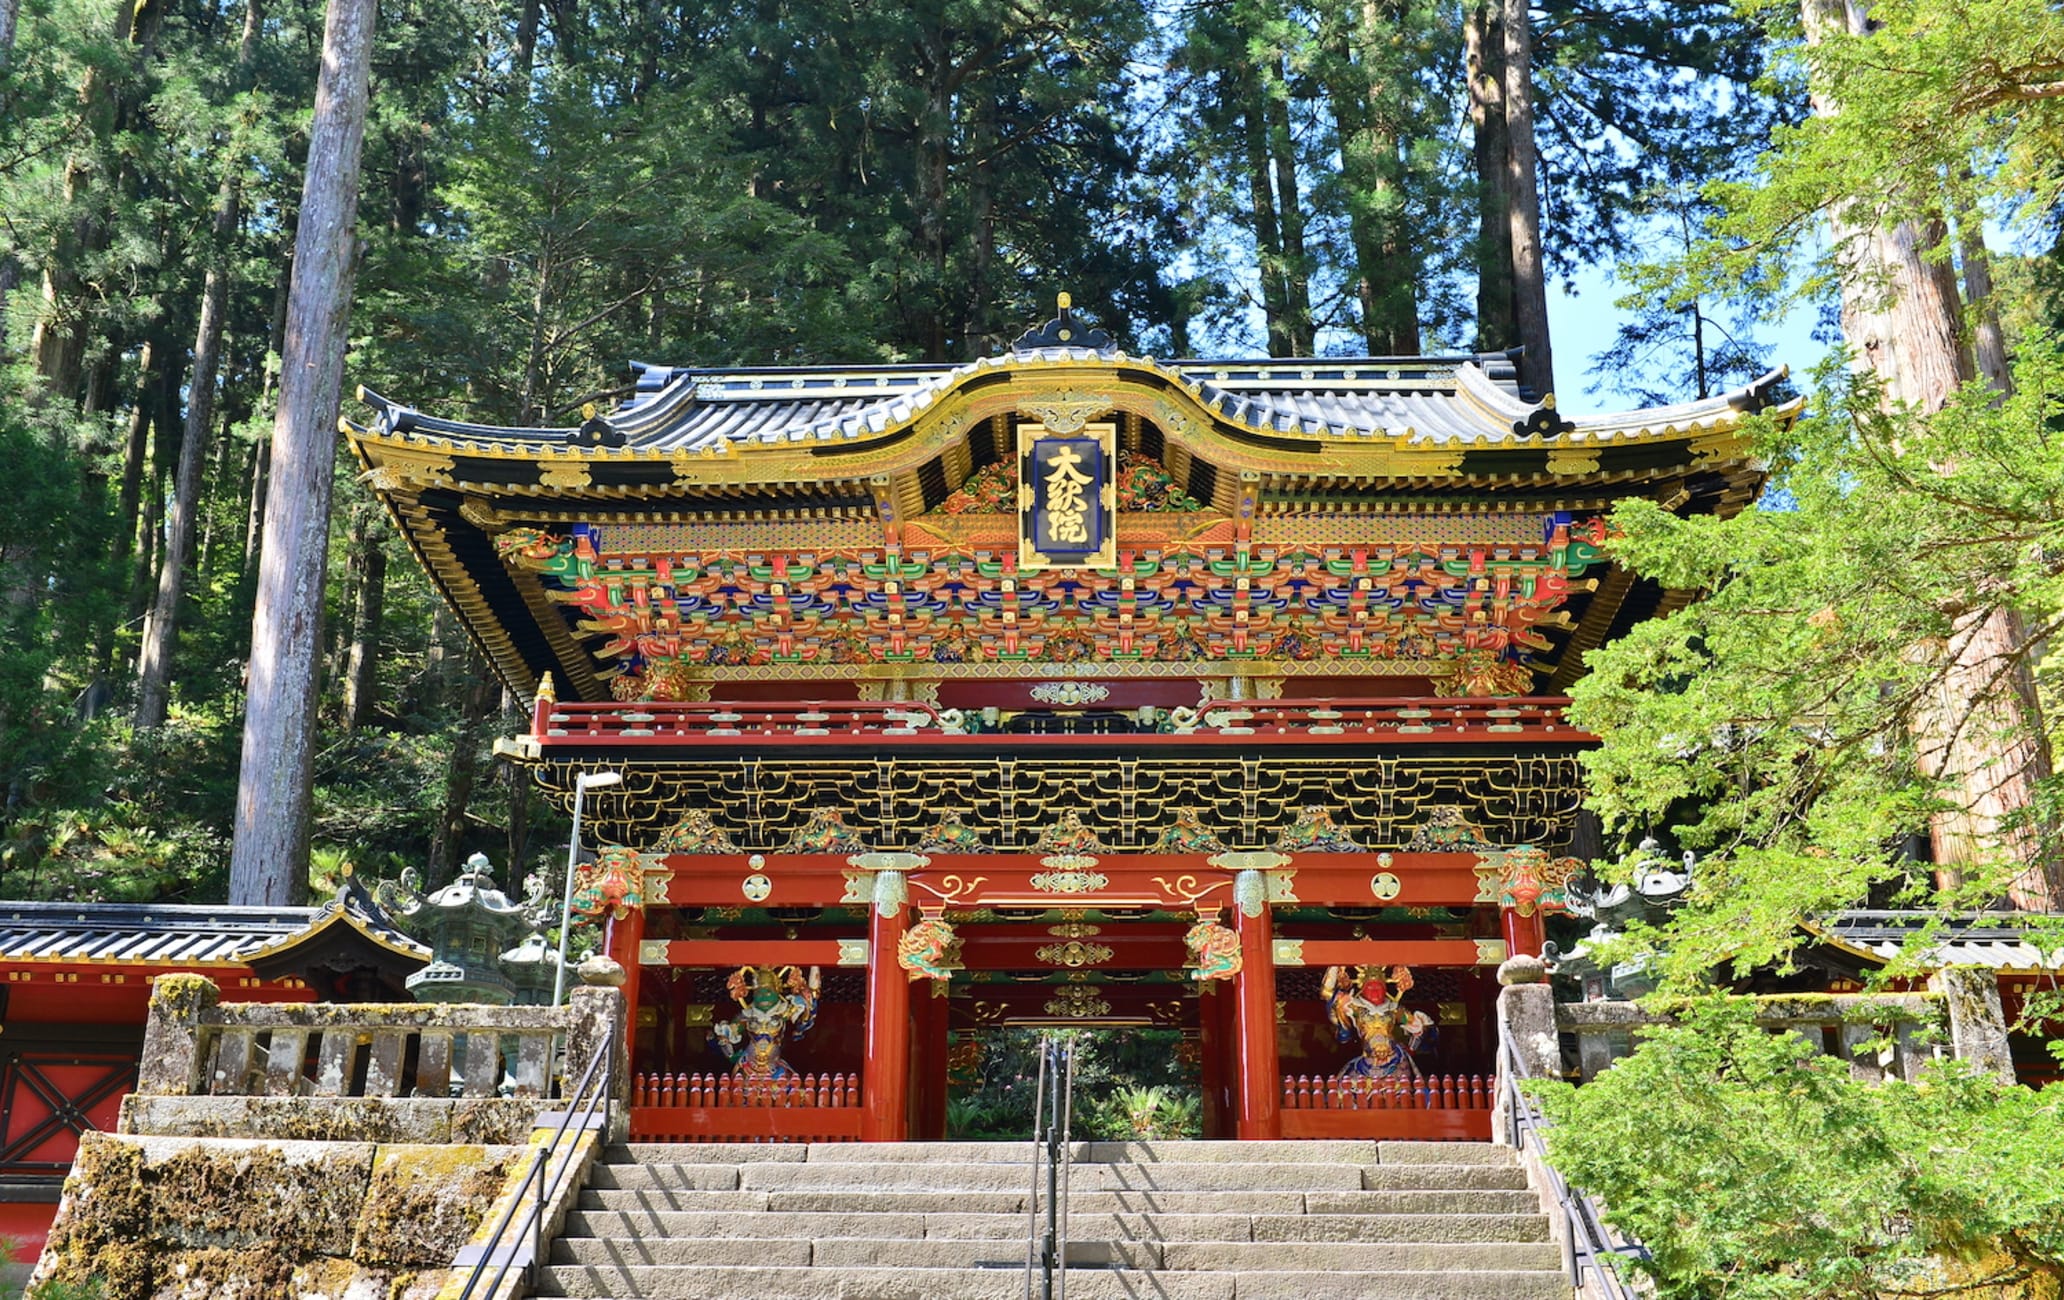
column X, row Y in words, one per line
column 1067, row 497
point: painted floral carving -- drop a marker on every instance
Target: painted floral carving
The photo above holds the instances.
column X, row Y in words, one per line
column 696, row 832
column 1313, row 831
column 952, row 835
column 826, row 832
column 1188, row 834
column 1447, row 829
column 1069, row 835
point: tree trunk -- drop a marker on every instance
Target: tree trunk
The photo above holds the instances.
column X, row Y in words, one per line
column 261, row 450
column 1988, row 340
column 517, row 778
column 161, row 625
column 10, row 271
column 1983, row 735
column 1497, row 328
column 982, row 211
column 1523, row 211
column 526, row 45
column 1261, row 207
column 269, row 858
column 1282, row 145
column 362, row 657
column 462, row 772
column 127, row 540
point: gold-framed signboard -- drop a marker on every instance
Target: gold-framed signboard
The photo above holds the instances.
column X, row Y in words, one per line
column 1068, row 497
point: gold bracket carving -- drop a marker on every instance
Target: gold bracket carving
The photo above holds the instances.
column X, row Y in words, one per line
column 652, row 952
column 1289, row 952
column 852, row 952
column 1490, row 952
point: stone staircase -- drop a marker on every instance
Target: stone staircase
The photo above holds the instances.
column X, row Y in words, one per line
column 1161, row 1220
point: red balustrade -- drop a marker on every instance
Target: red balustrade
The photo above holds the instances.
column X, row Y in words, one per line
column 1318, row 722
column 1437, row 1106
column 727, row 1108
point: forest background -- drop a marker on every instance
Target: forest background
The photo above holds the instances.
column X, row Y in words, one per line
column 1859, row 711
column 553, row 187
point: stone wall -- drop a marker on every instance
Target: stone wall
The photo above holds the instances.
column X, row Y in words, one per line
column 157, row 1218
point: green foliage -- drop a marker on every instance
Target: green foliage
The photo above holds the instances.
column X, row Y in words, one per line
column 1756, row 1169
column 1129, row 1083
column 1773, row 724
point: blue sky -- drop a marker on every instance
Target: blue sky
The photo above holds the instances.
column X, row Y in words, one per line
column 1583, row 321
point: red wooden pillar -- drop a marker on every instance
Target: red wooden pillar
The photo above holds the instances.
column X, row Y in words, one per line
column 928, row 1062
column 1212, row 1000
column 1524, row 935
column 1257, row 1076
column 885, row 1069
column 621, row 942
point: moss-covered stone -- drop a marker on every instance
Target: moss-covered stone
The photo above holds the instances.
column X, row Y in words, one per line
column 174, row 1219
column 426, row 1202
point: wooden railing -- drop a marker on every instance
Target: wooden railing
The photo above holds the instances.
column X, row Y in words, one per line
column 727, row 1108
column 1437, row 1106
column 1318, row 722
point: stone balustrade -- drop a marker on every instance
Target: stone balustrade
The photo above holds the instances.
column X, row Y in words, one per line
column 364, row 1072
column 1880, row 1035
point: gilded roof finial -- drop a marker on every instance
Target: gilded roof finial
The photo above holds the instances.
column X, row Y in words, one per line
column 1065, row 301
column 546, row 692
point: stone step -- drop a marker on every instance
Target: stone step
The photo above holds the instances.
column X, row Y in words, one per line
column 1347, row 1151
column 1166, row 1257
column 650, row 1200
column 1129, row 1176
column 1082, row 1225
column 591, row 1282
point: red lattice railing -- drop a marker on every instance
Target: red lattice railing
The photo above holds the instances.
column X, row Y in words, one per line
column 726, row 1108
column 1316, row 722
column 1435, row 1106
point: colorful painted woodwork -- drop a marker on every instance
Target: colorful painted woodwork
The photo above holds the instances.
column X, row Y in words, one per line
column 1463, row 614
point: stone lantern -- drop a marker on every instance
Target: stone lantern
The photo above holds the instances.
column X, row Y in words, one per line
column 470, row 926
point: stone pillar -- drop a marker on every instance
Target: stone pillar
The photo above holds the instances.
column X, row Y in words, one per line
column 597, row 1004
column 1977, row 1022
column 885, row 1069
column 172, row 1064
column 1257, row 1075
column 1526, row 1011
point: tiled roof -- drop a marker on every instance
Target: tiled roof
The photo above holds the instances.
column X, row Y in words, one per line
column 176, row 934
column 1998, row 940
column 1424, row 401
column 142, row 932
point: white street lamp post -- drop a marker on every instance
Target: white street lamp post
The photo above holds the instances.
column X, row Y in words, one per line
column 582, row 783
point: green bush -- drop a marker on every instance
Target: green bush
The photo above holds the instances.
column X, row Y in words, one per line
column 1755, row 1168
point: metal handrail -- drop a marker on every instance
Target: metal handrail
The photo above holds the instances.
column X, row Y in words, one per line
column 1586, row 1239
column 1053, row 1118
column 589, row 1097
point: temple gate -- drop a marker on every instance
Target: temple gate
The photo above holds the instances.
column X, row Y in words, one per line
column 1063, row 687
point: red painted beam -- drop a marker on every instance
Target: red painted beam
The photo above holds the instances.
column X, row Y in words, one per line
column 1396, row 952
column 726, row 953
column 1130, row 880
